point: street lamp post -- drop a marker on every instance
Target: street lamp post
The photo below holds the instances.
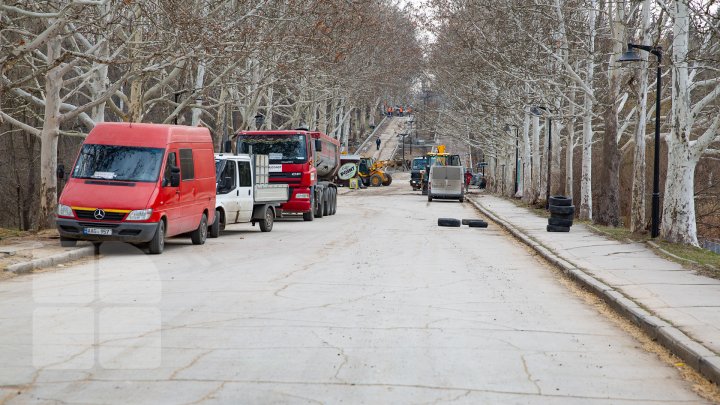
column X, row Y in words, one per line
column 536, row 111
column 632, row 56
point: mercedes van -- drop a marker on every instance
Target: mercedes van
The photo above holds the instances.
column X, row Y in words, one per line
column 140, row 183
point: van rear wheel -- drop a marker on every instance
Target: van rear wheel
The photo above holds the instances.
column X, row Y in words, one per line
column 199, row 235
column 266, row 224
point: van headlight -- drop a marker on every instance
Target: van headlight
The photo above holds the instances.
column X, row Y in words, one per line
column 303, row 195
column 139, row 215
column 64, row 211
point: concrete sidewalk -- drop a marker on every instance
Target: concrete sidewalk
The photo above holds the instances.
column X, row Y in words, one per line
column 674, row 305
column 25, row 254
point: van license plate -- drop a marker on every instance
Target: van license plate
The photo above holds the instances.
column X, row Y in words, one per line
column 97, row 231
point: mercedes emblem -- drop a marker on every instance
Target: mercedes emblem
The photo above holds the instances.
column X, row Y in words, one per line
column 99, row 214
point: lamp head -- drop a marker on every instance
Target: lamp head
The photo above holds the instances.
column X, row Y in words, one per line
column 630, row 55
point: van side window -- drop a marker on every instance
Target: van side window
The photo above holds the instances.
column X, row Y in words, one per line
column 187, row 169
column 171, row 162
column 244, row 171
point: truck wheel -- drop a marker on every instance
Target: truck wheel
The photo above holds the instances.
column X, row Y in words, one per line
column 461, row 198
column 65, row 242
column 376, row 180
column 157, row 243
column 310, row 215
column 388, row 180
column 319, row 211
column 199, row 235
column 327, row 200
column 334, row 201
column 267, row 222
column 214, row 230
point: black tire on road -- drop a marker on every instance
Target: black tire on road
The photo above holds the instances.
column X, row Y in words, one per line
column 214, row 230
column 266, row 224
column 65, row 242
column 477, row 223
column 388, row 180
column 461, row 198
column 553, row 228
column 157, row 243
column 560, row 201
column 199, row 235
column 556, row 209
column 429, row 197
column 310, row 215
column 560, row 222
column 376, row 180
column 453, row 222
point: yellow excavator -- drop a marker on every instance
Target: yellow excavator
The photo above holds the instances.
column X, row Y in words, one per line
column 372, row 172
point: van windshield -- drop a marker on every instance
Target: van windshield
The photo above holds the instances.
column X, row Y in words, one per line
column 114, row 162
column 418, row 164
column 279, row 148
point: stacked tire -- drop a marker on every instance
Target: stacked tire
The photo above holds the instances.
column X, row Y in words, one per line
column 562, row 213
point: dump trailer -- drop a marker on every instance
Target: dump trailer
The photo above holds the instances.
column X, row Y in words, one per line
column 307, row 161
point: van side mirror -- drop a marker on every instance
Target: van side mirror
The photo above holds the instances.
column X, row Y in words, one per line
column 174, row 176
column 60, row 172
column 318, row 145
column 228, row 146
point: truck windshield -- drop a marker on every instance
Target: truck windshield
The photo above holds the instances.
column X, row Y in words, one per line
column 114, row 162
column 279, row 148
column 418, row 164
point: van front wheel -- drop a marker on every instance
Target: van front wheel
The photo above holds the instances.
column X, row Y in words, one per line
column 199, row 235
column 157, row 243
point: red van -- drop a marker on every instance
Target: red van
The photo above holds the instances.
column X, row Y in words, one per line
column 140, row 183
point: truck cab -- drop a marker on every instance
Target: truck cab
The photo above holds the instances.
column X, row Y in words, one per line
column 243, row 192
column 307, row 161
column 417, row 172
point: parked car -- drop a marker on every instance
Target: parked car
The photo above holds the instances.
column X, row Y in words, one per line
column 478, row 180
column 140, row 183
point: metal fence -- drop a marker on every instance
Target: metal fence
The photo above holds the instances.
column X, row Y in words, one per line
column 711, row 245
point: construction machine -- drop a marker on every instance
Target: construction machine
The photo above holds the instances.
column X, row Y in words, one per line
column 372, row 173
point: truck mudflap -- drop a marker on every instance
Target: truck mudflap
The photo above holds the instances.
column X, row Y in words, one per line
column 260, row 209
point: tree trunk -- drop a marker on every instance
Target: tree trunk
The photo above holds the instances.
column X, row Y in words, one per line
column 638, row 220
column 535, row 160
column 586, row 204
column 609, row 204
column 525, row 165
column 49, row 137
column 678, row 217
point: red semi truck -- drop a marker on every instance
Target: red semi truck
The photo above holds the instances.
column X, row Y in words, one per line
column 307, row 161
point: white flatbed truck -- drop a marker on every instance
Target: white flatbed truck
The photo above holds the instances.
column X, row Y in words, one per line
column 244, row 193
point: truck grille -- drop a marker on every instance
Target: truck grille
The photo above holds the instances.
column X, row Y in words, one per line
column 109, row 216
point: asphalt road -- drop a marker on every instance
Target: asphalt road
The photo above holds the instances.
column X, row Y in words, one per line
column 376, row 304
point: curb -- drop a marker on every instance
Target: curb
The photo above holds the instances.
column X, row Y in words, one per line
column 694, row 354
column 28, row 267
